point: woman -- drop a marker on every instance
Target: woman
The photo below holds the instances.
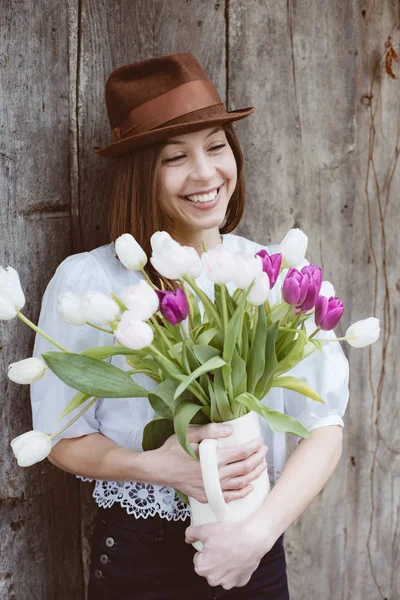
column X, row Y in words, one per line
column 178, row 167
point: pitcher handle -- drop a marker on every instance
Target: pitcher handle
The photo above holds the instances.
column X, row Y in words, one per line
column 212, row 484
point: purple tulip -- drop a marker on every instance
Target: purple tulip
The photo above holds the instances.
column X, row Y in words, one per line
column 295, row 287
column 328, row 312
column 271, row 265
column 314, row 286
column 173, row 305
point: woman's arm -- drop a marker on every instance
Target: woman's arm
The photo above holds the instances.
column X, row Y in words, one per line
column 97, row 457
column 232, row 552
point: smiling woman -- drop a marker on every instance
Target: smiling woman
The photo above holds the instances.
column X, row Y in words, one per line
column 178, row 167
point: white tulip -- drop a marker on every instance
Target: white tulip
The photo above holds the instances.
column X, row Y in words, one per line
column 28, row 370
column 195, row 265
column 327, row 290
column 171, row 259
column 157, row 239
column 99, row 308
column 141, row 300
column 70, row 309
column 260, row 290
column 363, row 333
column 219, row 265
column 31, row 447
column 12, row 297
column 293, row 248
column 248, row 267
column 130, row 253
column 133, row 333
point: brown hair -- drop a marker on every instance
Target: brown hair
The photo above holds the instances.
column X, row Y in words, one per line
column 133, row 194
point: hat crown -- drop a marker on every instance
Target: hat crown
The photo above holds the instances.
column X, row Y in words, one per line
column 132, row 85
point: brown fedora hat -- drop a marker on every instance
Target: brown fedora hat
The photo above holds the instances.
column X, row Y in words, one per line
column 154, row 99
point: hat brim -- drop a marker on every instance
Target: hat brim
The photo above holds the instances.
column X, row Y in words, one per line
column 125, row 145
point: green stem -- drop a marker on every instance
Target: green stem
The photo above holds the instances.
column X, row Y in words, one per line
column 40, row 332
column 75, row 418
column 206, row 301
column 164, row 337
column 224, row 308
column 314, row 332
column 100, row 328
column 148, row 279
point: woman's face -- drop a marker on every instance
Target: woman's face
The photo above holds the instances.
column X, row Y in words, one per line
column 197, row 164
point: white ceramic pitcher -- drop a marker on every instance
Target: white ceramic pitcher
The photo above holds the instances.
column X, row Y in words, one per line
column 216, row 510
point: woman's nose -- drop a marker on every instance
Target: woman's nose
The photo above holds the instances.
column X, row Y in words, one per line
column 203, row 168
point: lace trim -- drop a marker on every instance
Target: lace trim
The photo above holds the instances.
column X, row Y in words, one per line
column 147, row 500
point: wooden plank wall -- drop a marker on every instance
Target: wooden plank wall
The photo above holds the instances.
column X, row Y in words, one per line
column 322, row 152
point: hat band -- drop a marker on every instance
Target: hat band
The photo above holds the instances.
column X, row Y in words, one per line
column 184, row 99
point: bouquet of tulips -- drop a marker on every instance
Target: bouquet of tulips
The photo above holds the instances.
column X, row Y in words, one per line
column 233, row 350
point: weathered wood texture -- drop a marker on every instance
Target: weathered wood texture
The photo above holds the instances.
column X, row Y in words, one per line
column 321, row 153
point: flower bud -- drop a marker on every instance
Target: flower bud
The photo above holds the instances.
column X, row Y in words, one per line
column 173, row 305
column 99, row 308
column 195, row 265
column 141, row 300
column 293, row 247
column 314, row 286
column 130, row 253
column 31, row 447
column 12, row 297
column 133, row 333
column 328, row 312
column 247, row 268
column 327, row 289
column 363, row 333
column 171, row 259
column 260, row 290
column 219, row 265
column 70, row 309
column 271, row 265
column 157, row 239
column 25, row 371
column 295, row 287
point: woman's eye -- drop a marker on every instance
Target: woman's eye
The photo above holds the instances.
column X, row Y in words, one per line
column 173, row 159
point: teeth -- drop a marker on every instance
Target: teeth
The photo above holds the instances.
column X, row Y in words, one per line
column 203, row 197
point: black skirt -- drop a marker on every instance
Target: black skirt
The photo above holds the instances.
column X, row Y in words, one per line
column 146, row 559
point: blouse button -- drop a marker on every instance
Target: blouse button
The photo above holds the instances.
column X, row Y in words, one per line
column 98, row 574
column 104, row 559
column 110, row 542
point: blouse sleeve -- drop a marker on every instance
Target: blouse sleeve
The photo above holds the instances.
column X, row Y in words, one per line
column 327, row 372
column 78, row 273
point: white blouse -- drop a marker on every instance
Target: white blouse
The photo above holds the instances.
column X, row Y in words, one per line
column 123, row 419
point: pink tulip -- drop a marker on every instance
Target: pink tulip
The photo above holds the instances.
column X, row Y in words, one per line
column 271, row 265
column 328, row 312
column 173, row 305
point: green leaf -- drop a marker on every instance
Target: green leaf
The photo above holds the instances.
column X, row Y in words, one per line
column 297, row 385
column 121, row 305
column 294, row 356
column 156, row 433
column 76, row 401
column 162, row 398
column 255, row 367
column 210, row 365
column 185, row 411
column 204, row 353
column 221, row 396
column 245, row 337
column 270, row 365
column 185, row 362
column 233, row 329
column 209, row 307
column 92, row 376
column 239, row 374
column 214, row 412
column 277, row 421
column 102, row 352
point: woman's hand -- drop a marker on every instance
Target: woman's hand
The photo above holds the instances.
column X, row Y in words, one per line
column 231, row 551
column 238, row 466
